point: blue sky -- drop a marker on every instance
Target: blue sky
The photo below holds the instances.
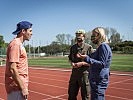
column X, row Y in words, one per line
column 52, row 17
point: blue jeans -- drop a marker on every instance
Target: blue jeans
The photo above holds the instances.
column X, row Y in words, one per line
column 15, row 95
column 98, row 90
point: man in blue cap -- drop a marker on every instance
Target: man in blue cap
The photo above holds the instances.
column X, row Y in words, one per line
column 16, row 73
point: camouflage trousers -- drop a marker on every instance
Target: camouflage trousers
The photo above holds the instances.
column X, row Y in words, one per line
column 79, row 80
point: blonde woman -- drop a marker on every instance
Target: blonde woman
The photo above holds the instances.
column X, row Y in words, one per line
column 99, row 61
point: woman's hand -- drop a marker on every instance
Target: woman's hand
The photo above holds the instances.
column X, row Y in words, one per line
column 79, row 55
column 80, row 64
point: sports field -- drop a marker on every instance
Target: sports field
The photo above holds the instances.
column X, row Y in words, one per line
column 52, row 84
column 119, row 62
column 50, row 76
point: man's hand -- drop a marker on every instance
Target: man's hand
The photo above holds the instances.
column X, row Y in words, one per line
column 25, row 93
column 79, row 64
column 73, row 65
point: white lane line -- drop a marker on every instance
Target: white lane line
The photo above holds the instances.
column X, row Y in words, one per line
column 54, row 69
column 48, row 85
column 51, row 75
column 121, row 81
column 69, row 70
column 50, row 96
column 41, row 93
column 44, row 74
column 54, row 98
column 62, row 95
column 120, row 74
column 50, row 79
column 57, row 97
column 118, row 97
column 121, row 89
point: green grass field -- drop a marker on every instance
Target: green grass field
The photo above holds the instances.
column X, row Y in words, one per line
column 119, row 62
column 122, row 63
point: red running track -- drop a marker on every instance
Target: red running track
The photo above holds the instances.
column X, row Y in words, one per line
column 52, row 84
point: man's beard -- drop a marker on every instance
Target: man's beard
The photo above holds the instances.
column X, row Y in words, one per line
column 79, row 40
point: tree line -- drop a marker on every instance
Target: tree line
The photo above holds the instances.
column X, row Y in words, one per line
column 64, row 41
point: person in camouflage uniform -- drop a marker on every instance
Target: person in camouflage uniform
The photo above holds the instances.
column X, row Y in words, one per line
column 80, row 72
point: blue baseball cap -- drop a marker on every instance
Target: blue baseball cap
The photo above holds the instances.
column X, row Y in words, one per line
column 22, row 25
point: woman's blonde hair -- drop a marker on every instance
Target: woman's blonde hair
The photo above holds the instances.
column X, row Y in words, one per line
column 101, row 33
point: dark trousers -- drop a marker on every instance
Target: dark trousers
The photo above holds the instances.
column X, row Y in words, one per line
column 79, row 79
